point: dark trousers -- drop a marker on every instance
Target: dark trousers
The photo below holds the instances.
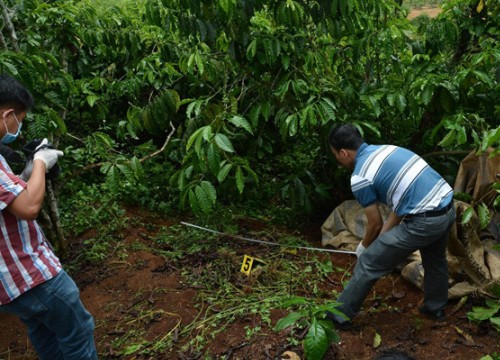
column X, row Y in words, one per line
column 427, row 234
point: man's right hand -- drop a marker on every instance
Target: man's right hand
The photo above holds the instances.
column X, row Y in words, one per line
column 47, row 155
column 360, row 249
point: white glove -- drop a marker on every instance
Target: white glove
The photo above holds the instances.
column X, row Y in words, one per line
column 48, row 156
column 360, row 249
column 28, row 169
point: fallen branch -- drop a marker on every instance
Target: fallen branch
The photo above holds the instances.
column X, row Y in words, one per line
column 159, row 151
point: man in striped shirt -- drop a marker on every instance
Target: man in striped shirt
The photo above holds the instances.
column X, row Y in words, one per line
column 422, row 214
column 33, row 285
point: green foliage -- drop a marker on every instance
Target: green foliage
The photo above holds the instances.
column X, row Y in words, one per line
column 246, row 84
column 489, row 313
column 494, row 356
column 320, row 334
column 90, row 207
column 160, row 112
column 227, row 295
column 93, row 207
column 251, row 88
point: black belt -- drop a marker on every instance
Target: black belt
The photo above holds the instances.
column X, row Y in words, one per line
column 431, row 213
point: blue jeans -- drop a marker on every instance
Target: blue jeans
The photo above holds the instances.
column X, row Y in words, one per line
column 427, row 234
column 59, row 326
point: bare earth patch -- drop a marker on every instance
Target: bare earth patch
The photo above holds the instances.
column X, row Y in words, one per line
column 145, row 295
column 429, row 11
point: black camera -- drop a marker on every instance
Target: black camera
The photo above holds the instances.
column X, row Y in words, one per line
column 29, row 151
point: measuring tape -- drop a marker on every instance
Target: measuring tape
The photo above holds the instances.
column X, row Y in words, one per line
column 248, row 261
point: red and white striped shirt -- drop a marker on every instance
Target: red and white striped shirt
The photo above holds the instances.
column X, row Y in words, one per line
column 26, row 259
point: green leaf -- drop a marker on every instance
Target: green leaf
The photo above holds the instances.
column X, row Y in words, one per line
column 240, row 180
column 495, row 321
column 195, row 107
column 193, row 202
column 91, row 99
column 494, row 304
column 223, row 172
column 194, row 136
column 103, row 140
column 213, row 158
column 484, row 215
column 112, row 178
column 241, row 122
column 190, row 63
column 448, row 139
column 391, row 98
column 285, row 62
column 252, row 49
column 296, row 300
column 224, row 143
column 207, row 133
column 131, row 349
column 467, row 215
column 401, row 103
column 462, row 135
column 427, row 93
column 11, row 67
column 490, row 138
column 480, row 313
column 266, row 110
column 126, row 171
column 377, row 340
column 292, row 124
column 203, row 199
column 199, row 62
column 368, row 125
column 209, row 190
column 288, row 320
column 329, row 108
column 331, row 333
column 486, row 357
column 137, row 168
column 159, row 113
column 316, row 341
column 375, row 105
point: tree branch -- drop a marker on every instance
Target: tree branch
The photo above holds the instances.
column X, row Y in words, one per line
column 167, row 140
column 446, row 153
column 98, row 165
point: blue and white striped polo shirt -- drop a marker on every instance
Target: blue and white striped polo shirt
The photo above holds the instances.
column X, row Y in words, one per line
column 398, row 178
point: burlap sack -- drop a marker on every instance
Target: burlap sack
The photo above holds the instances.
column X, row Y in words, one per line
column 476, row 175
column 346, row 225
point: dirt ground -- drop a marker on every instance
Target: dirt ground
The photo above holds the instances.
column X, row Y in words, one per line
column 113, row 291
column 429, row 11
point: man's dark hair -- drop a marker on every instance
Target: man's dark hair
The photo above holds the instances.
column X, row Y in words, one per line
column 13, row 93
column 345, row 136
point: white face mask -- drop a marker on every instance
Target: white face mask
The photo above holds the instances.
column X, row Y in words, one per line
column 10, row 137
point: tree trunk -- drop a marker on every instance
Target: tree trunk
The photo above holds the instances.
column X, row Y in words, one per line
column 9, row 26
column 3, row 44
column 55, row 219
